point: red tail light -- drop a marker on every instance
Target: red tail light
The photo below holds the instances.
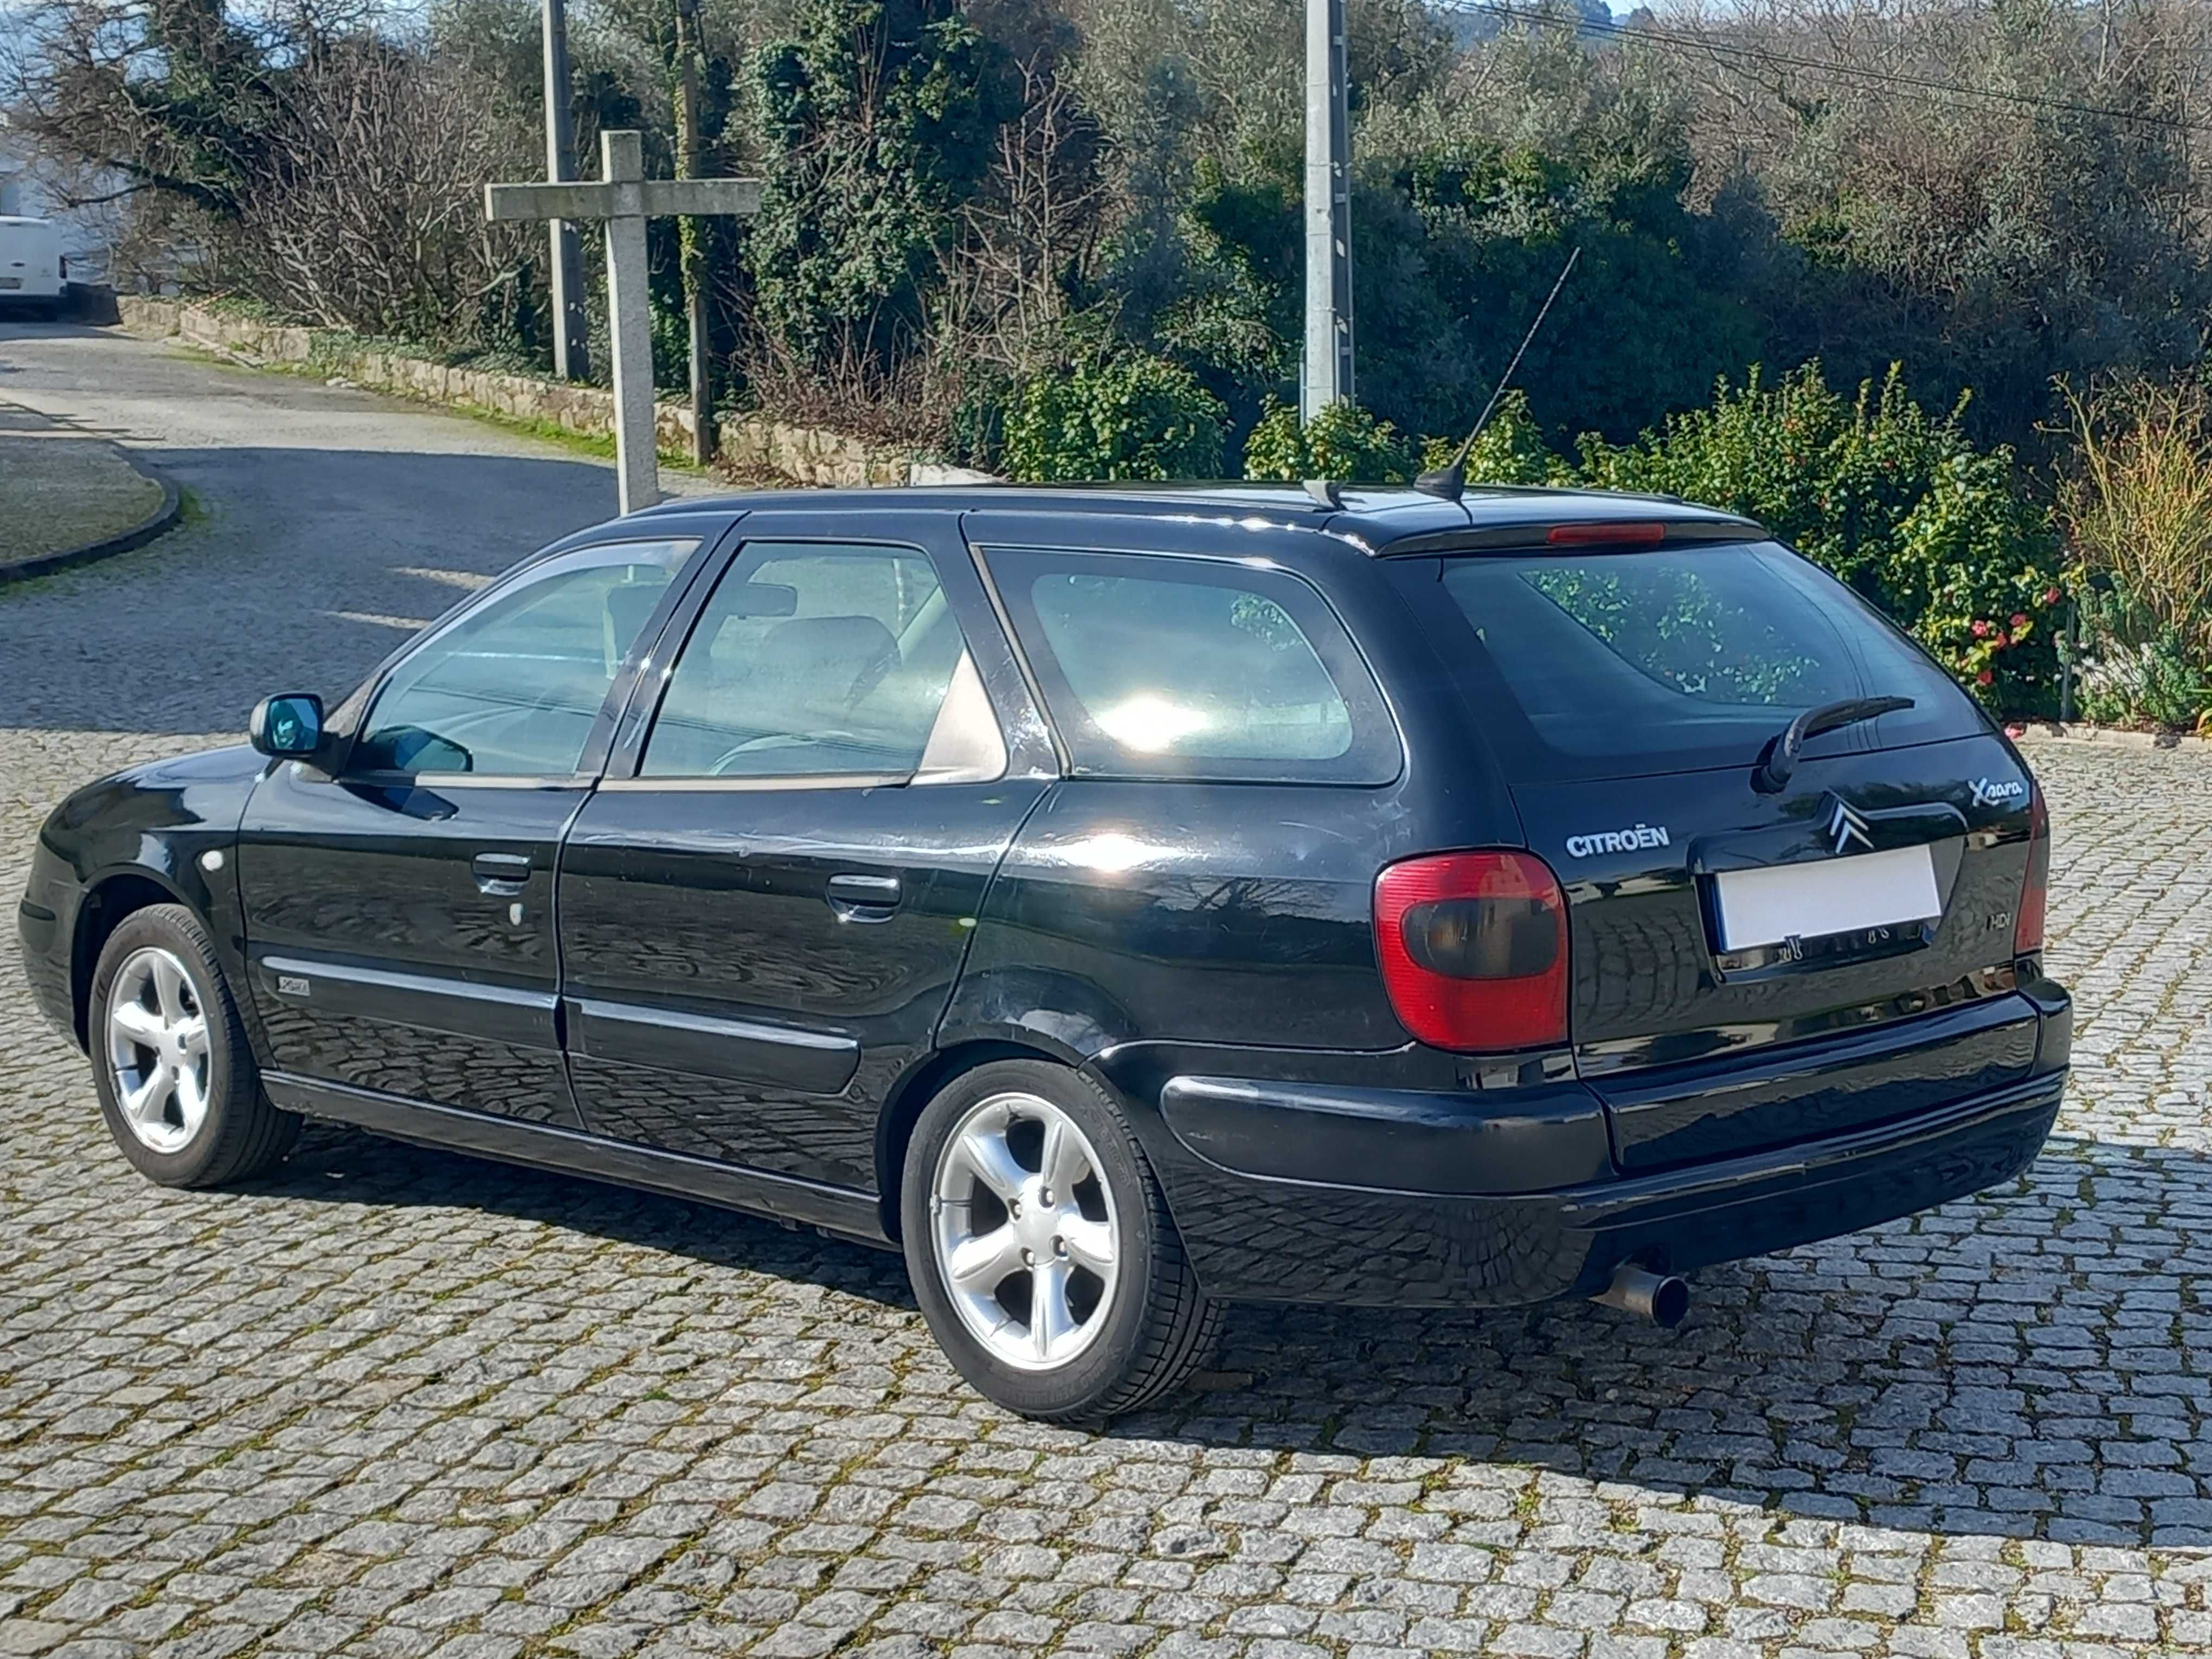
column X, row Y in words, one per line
column 1605, row 535
column 2035, row 889
column 1474, row 949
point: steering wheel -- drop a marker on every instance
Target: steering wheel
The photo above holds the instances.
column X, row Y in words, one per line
column 774, row 740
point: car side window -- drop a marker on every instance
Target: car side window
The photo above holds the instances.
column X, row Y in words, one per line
column 512, row 688
column 810, row 659
column 1194, row 668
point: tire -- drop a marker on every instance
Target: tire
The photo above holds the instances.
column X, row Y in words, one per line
column 1120, row 1331
column 211, row 1123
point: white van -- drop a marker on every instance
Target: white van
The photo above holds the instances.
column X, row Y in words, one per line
column 34, row 272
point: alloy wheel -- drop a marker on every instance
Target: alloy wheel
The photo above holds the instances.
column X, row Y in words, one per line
column 158, row 1050
column 1024, row 1231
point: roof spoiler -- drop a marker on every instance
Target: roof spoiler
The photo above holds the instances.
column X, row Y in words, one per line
column 1552, row 534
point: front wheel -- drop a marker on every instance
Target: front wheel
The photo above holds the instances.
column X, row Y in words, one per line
column 176, row 1077
column 1041, row 1250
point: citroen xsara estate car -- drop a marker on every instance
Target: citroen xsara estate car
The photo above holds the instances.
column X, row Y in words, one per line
column 1121, row 901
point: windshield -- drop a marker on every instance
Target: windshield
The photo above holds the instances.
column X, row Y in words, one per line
column 1604, row 664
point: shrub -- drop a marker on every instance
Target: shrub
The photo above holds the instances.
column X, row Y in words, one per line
column 1344, row 442
column 1508, row 450
column 1892, row 500
column 977, row 434
column 1123, row 414
column 2154, row 682
column 2136, row 507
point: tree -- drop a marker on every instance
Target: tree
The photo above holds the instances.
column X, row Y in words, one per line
column 876, row 123
column 332, row 171
column 174, row 95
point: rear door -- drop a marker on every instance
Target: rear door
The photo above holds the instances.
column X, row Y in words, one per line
column 1754, row 962
column 764, row 909
column 30, row 259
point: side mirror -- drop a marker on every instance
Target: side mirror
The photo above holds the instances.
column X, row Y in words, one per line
column 288, row 726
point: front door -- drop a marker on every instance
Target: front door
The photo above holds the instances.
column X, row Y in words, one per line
column 762, row 922
column 399, row 914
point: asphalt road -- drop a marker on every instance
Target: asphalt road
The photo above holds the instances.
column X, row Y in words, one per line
column 395, row 1403
column 326, row 524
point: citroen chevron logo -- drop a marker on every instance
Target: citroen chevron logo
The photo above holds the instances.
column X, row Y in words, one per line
column 1845, row 826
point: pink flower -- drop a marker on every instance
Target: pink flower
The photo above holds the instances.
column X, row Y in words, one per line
column 2020, row 619
column 2050, row 596
column 1985, row 678
column 1981, row 628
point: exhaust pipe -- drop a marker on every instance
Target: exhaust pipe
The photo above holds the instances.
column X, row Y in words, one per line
column 1663, row 1298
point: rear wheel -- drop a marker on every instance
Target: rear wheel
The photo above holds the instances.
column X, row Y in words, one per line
column 177, row 1080
column 1041, row 1250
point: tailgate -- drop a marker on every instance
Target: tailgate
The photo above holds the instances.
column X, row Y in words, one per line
column 1791, row 848
column 1704, row 1045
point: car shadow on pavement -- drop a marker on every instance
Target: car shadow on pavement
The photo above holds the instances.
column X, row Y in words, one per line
column 19, row 325
column 1941, row 1376
column 336, row 1164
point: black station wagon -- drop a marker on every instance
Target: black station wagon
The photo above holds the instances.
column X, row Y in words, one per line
column 1123, row 901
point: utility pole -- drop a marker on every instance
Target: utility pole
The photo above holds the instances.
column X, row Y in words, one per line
column 571, row 358
column 689, row 232
column 1326, row 376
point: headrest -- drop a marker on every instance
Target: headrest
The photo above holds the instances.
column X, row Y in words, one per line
column 839, row 657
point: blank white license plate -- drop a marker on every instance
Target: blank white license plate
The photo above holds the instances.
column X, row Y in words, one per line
column 11, row 282
column 1830, row 896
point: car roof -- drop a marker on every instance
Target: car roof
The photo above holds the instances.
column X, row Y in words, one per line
column 1379, row 518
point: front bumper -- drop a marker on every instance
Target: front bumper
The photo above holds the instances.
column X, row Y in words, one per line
column 45, row 926
column 1269, row 1238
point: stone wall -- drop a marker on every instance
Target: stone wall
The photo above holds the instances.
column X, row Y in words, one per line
column 752, row 443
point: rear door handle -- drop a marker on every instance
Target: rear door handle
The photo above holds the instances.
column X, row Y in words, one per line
column 864, row 898
column 503, row 873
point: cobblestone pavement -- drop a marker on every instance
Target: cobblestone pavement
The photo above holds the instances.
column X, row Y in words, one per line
column 396, row 1402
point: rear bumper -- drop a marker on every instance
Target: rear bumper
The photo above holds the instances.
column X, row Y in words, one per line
column 1276, row 1237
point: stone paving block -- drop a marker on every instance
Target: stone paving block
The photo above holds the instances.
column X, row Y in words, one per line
column 390, row 1401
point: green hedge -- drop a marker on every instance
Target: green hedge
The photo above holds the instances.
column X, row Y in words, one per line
column 1892, row 500
column 1124, row 415
column 1344, row 442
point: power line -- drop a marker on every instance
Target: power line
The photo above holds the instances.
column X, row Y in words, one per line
column 1924, row 86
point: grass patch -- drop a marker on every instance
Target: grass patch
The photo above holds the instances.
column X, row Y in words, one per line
column 60, row 493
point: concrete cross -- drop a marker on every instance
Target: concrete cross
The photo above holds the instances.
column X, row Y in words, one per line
column 626, row 198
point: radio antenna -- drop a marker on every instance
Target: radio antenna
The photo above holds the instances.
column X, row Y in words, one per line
column 1450, row 482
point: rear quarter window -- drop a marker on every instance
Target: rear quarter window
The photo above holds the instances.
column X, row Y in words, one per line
column 1163, row 667
column 1596, row 663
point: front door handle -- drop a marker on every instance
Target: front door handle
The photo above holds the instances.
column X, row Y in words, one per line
column 864, row 898
column 500, row 873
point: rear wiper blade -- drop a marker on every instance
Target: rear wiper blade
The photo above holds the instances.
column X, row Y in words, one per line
column 1780, row 759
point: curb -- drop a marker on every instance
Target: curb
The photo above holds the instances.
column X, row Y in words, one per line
column 163, row 517
column 2042, row 731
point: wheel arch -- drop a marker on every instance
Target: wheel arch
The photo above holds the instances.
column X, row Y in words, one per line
column 903, row 1109
column 108, row 902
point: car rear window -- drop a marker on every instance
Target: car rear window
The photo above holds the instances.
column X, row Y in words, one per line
column 1613, row 664
column 1194, row 668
